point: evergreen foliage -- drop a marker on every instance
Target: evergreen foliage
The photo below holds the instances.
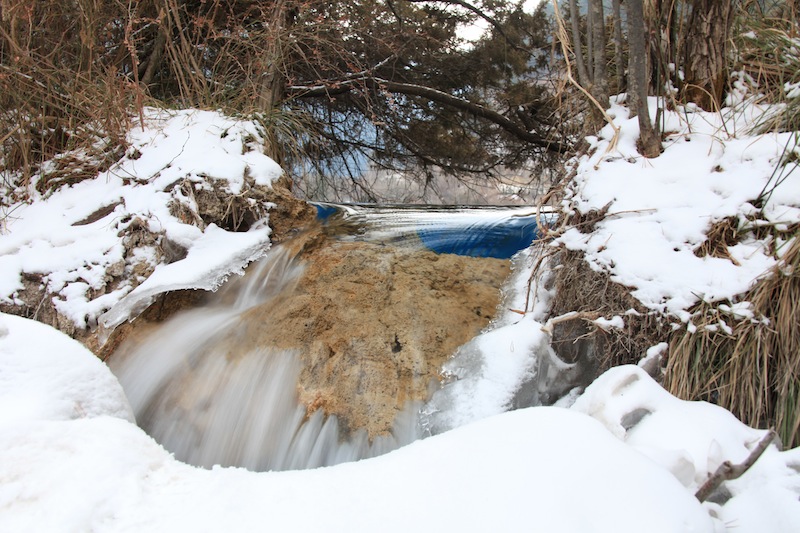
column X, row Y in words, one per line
column 337, row 85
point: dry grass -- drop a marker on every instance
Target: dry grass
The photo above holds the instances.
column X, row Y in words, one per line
column 71, row 74
column 766, row 50
column 749, row 365
column 589, row 295
column 719, row 237
column 63, row 115
column 592, row 294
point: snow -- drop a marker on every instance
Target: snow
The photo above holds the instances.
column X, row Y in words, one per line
column 210, row 260
column 64, row 468
column 623, row 455
column 659, row 210
column 45, row 375
column 50, row 237
column 100, row 472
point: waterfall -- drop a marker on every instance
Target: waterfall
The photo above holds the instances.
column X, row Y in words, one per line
column 394, row 292
column 210, row 403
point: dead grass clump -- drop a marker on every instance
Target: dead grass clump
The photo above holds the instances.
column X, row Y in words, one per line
column 766, row 51
column 71, row 168
column 719, row 237
column 747, row 358
column 216, row 204
column 590, row 295
column 586, row 222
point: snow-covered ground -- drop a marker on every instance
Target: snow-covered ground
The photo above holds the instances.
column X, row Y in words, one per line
column 622, row 456
column 71, row 460
column 659, row 210
column 76, row 254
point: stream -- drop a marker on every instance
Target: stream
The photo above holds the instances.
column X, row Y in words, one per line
column 321, row 356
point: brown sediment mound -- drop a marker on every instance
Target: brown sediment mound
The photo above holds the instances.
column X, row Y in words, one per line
column 375, row 324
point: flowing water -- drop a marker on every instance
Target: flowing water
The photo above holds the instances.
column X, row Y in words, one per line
column 486, row 231
column 198, row 392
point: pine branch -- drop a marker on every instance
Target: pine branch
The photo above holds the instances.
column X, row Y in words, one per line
column 434, row 95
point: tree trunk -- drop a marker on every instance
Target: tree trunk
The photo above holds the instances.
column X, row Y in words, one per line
column 619, row 62
column 600, row 85
column 705, row 53
column 649, row 142
column 154, row 60
column 589, row 45
column 577, row 45
column 88, row 11
column 273, row 83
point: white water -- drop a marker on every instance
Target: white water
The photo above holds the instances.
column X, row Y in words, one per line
column 210, row 405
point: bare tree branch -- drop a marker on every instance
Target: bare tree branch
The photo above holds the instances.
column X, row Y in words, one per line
column 727, row 470
column 434, row 95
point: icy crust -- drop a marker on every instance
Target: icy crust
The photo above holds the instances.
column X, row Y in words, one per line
column 81, row 241
column 211, row 259
column 658, row 211
column 547, row 468
column 486, row 375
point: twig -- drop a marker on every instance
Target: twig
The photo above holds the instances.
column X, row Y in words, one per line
column 9, row 134
column 728, row 471
column 534, row 273
column 134, row 63
column 589, row 316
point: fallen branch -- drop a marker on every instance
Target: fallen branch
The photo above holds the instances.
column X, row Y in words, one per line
column 728, row 471
column 589, row 316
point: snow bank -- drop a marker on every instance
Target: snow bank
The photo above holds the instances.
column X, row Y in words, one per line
column 691, row 440
column 512, row 472
column 544, row 468
column 45, row 375
column 74, row 240
column 659, row 210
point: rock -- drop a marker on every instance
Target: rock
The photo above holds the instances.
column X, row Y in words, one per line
column 213, row 204
column 375, row 324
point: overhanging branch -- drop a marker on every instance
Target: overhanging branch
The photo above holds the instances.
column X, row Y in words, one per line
column 433, row 95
